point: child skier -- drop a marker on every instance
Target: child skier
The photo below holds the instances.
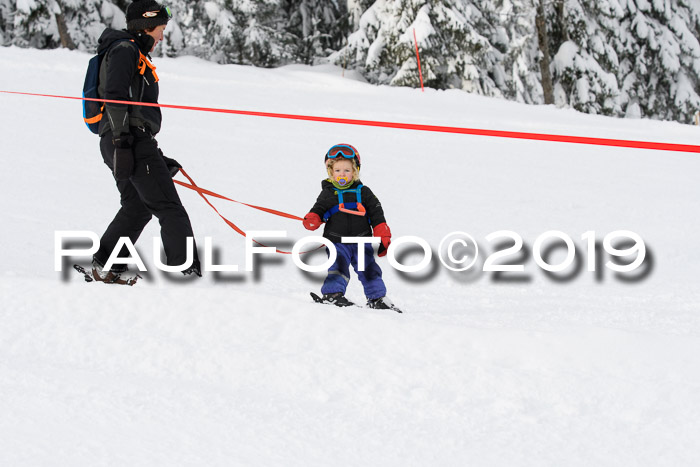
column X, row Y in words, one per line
column 350, row 209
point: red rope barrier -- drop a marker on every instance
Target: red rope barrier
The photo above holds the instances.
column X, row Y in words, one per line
column 410, row 126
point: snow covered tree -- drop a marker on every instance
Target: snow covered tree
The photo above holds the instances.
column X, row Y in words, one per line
column 35, row 23
column 659, row 68
column 584, row 66
column 86, row 19
column 318, row 27
column 515, row 37
column 452, row 38
column 630, row 57
column 634, row 58
column 355, row 10
column 545, row 58
column 64, row 35
column 261, row 33
column 6, row 8
column 32, row 25
column 230, row 31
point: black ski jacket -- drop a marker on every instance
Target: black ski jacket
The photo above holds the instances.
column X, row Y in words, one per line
column 121, row 79
column 342, row 224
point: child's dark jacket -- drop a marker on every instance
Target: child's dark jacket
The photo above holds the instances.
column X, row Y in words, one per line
column 342, row 224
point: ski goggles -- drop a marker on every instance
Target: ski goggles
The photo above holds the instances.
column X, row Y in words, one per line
column 343, row 150
column 163, row 13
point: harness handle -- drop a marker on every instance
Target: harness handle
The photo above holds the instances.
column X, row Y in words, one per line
column 361, row 211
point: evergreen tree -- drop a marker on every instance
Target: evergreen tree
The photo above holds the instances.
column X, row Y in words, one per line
column 584, row 66
column 261, row 33
column 230, row 31
column 355, row 10
column 318, row 27
column 6, row 14
column 86, row 19
column 514, row 36
column 659, row 68
column 32, row 25
column 634, row 58
column 452, row 37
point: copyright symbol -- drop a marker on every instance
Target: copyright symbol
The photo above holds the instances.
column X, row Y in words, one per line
column 461, row 251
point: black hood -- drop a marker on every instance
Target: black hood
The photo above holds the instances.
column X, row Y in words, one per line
column 110, row 36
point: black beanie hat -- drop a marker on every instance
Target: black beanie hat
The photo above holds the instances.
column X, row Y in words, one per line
column 146, row 14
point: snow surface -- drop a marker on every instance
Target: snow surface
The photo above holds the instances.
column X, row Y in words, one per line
column 243, row 369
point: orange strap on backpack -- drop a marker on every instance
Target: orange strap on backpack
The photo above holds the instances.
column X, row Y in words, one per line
column 144, row 63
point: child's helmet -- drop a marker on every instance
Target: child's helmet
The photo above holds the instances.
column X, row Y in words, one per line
column 343, row 150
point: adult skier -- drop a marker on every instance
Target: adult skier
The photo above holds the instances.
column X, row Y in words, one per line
column 127, row 142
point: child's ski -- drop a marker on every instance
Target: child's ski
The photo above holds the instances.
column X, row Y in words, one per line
column 318, row 299
column 344, row 302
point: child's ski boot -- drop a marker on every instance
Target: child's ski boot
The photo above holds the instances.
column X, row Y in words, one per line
column 337, row 299
column 382, row 303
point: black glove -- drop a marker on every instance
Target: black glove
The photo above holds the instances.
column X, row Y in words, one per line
column 123, row 163
column 172, row 165
column 124, row 140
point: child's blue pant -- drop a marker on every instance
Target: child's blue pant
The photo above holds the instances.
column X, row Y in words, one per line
column 339, row 272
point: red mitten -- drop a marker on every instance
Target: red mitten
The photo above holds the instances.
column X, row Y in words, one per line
column 383, row 231
column 312, row 221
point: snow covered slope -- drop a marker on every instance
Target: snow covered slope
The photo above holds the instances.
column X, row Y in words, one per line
column 587, row 368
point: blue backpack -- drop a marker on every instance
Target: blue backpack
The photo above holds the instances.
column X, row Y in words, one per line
column 93, row 110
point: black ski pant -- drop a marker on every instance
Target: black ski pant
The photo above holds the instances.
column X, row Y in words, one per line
column 150, row 191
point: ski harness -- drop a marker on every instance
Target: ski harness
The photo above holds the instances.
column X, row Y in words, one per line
column 348, row 207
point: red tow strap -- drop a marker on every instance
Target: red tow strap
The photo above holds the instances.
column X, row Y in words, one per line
column 202, row 192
